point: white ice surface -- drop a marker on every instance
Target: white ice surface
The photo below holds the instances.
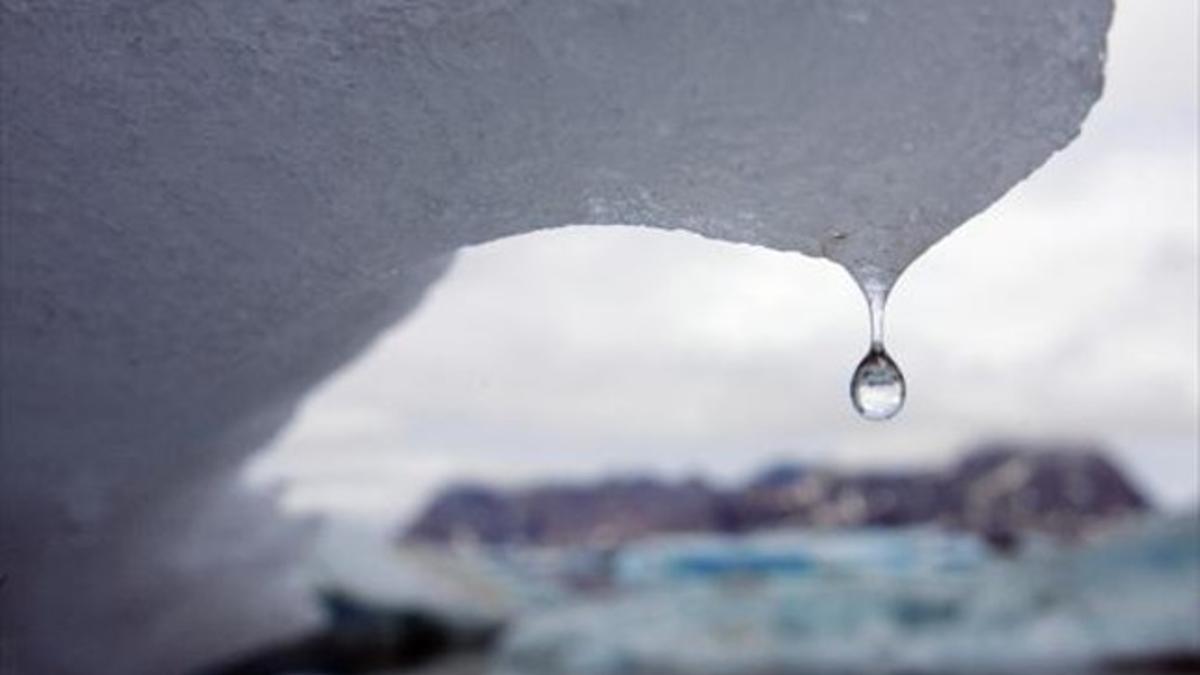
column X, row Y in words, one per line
column 207, row 207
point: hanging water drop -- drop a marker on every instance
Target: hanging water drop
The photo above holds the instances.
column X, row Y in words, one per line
column 877, row 387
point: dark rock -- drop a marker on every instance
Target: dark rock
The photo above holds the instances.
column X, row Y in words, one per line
column 999, row 490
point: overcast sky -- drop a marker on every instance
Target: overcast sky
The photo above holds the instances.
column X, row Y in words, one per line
column 1069, row 309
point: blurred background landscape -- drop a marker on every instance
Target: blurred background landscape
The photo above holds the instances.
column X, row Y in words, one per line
column 1018, row 556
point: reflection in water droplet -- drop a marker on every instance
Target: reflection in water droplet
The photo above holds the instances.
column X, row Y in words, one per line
column 877, row 388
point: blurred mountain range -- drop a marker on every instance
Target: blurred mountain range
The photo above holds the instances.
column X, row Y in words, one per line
column 998, row 489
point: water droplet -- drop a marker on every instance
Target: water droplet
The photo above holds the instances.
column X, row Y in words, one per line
column 877, row 387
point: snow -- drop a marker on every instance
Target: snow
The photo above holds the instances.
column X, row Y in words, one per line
column 207, row 208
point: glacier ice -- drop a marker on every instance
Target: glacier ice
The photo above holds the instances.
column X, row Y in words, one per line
column 1051, row 611
column 207, row 207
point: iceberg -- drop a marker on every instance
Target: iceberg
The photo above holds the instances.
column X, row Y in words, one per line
column 798, row 554
column 1127, row 598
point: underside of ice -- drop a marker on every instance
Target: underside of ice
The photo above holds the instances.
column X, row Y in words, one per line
column 207, row 207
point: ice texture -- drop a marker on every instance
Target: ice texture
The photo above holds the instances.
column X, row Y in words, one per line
column 207, row 207
column 1131, row 596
